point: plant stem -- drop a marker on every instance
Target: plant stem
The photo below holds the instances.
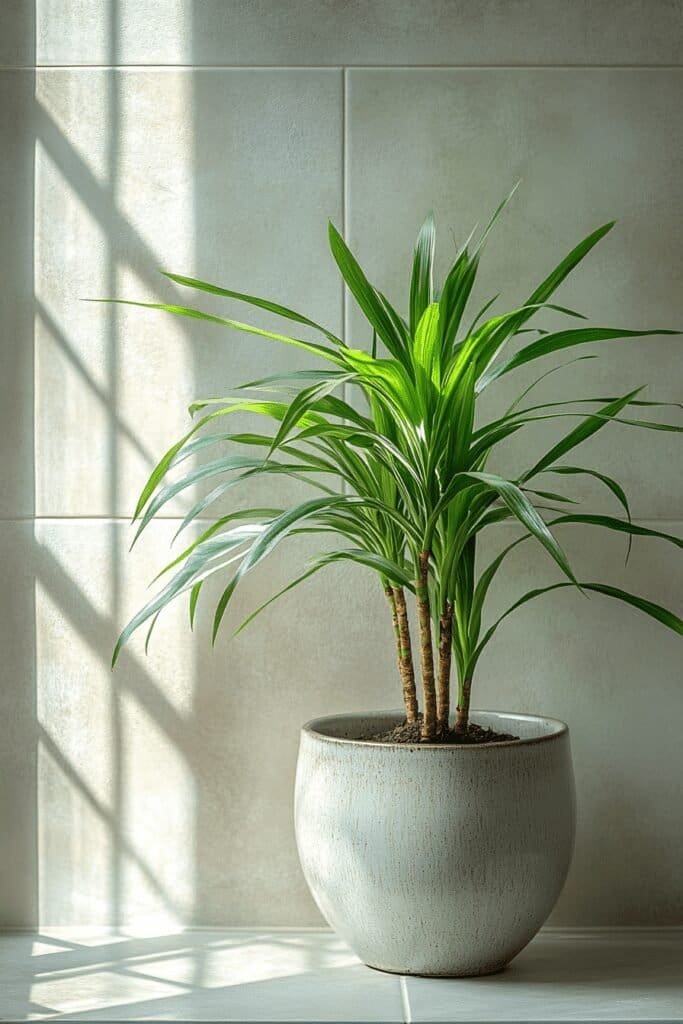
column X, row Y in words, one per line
column 444, row 684
column 399, row 617
column 463, row 708
column 428, row 731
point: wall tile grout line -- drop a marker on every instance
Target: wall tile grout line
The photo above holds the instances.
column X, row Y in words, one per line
column 560, row 66
column 344, row 157
column 345, row 187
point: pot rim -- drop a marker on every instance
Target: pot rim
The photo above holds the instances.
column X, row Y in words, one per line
column 559, row 729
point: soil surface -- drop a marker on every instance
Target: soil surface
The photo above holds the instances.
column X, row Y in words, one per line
column 406, row 733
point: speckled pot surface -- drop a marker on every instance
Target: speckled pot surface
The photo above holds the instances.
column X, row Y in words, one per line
column 435, row 860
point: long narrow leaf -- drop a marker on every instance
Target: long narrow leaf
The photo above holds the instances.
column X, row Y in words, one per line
column 561, row 340
column 365, row 295
column 524, row 511
column 422, row 284
column 615, row 488
column 273, row 533
column 579, row 434
column 655, row 611
column 622, row 526
column 200, row 564
column 197, row 314
column 253, row 300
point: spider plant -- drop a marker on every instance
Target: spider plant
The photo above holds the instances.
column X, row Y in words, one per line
column 390, row 445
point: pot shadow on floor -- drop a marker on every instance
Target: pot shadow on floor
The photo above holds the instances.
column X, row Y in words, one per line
column 597, row 957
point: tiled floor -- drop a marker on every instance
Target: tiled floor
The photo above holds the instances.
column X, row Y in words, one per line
column 310, row 975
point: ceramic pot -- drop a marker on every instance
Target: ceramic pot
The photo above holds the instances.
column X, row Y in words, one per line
column 435, row 860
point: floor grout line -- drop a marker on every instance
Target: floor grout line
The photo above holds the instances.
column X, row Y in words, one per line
column 569, row 931
column 405, row 1000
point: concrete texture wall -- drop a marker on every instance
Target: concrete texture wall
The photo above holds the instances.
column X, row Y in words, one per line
column 216, row 139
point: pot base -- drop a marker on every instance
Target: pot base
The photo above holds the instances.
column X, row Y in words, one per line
column 483, row 973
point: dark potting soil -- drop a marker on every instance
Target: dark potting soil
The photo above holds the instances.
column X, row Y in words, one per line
column 410, row 733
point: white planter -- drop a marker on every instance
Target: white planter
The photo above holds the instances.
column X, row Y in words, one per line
column 435, row 860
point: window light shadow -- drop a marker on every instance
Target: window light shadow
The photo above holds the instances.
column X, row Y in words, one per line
column 186, row 975
column 124, row 248
column 91, row 384
column 96, row 630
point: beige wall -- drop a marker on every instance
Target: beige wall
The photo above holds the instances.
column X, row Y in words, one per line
column 216, row 139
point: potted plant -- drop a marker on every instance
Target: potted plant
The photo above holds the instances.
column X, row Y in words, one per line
column 436, row 841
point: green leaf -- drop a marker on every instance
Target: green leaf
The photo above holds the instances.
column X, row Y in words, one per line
column 379, row 563
column 388, row 377
column 524, row 511
column 612, row 485
column 368, row 558
column 558, row 275
column 426, row 355
column 332, row 405
column 496, row 214
column 565, row 267
column 488, row 574
column 271, row 535
column 373, row 306
column 280, row 593
column 303, row 403
column 226, row 464
column 550, row 496
column 597, row 400
column 243, row 513
column 293, row 377
column 561, row 340
column 484, row 582
column 292, row 471
column 459, row 414
column 622, row 526
column 194, row 598
column 273, row 410
column 655, row 611
column 422, row 284
column 149, row 632
column 198, row 566
column 586, row 429
column 479, row 315
column 534, row 383
column 197, row 314
column 454, row 297
column 253, row 300
column 650, row 425
column 172, row 456
column 516, row 502
column 485, row 443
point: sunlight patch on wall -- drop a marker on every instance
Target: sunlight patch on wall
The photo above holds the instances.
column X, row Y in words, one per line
column 74, row 841
column 102, row 31
column 71, row 416
column 114, row 203
column 158, row 822
column 116, row 800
